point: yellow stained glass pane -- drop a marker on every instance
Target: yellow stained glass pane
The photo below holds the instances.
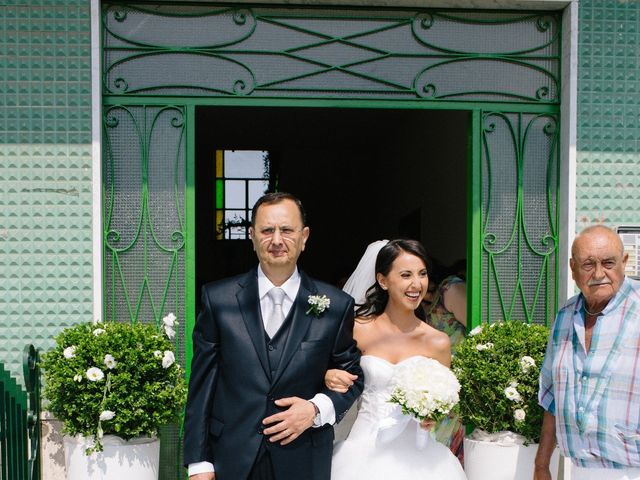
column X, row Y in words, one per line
column 219, row 163
column 219, row 224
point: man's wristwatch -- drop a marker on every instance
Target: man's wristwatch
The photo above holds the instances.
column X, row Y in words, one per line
column 316, row 419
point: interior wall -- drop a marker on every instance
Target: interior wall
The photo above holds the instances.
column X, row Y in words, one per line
column 363, row 175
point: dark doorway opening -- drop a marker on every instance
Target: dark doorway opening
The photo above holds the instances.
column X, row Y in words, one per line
column 362, row 174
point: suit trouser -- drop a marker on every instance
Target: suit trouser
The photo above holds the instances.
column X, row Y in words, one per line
column 262, row 468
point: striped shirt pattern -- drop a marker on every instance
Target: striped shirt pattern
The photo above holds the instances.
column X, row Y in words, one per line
column 596, row 397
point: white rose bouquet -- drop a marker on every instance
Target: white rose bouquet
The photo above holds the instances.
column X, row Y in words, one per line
column 426, row 390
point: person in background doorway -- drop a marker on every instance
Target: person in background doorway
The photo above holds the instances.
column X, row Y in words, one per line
column 445, row 308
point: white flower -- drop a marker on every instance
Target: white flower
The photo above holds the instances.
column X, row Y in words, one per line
column 98, row 331
column 171, row 333
column 77, row 378
column 318, row 304
column 95, row 374
column 168, row 359
column 106, row 415
column 512, row 394
column 170, row 320
column 69, row 352
column 475, row 331
column 424, row 388
column 99, row 433
column 513, row 384
column 484, row 346
column 526, row 363
column 110, row 362
column 519, row 415
column 157, row 354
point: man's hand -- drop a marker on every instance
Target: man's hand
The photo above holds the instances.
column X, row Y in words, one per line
column 339, row 380
column 203, row 476
column 289, row 424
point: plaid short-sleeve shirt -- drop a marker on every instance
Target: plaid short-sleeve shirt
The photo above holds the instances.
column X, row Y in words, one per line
column 595, row 397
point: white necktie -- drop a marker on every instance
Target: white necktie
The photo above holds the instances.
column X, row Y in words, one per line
column 276, row 317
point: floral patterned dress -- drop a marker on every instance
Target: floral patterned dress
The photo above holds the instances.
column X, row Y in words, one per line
column 450, row 432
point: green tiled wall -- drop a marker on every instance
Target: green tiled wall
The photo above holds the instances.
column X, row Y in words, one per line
column 608, row 184
column 45, row 172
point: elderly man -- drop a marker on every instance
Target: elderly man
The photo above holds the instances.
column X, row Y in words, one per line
column 590, row 379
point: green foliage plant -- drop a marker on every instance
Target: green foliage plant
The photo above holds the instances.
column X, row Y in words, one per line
column 114, row 378
column 498, row 367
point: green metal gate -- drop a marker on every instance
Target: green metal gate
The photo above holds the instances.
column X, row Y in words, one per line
column 19, row 421
column 161, row 61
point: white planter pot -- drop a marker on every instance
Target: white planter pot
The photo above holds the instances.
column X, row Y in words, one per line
column 491, row 460
column 138, row 459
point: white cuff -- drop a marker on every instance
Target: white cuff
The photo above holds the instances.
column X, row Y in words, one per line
column 326, row 408
column 200, row 467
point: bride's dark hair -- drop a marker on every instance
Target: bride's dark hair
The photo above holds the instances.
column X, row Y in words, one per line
column 376, row 298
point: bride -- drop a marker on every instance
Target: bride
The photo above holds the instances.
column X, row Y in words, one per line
column 389, row 333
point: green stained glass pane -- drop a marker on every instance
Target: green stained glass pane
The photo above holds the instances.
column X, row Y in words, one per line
column 219, row 194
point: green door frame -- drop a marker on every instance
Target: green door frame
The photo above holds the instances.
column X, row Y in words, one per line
column 474, row 176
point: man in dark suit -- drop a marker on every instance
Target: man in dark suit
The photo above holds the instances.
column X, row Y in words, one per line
column 258, row 408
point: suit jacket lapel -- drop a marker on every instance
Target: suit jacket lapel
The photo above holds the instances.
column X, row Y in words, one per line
column 249, row 304
column 300, row 323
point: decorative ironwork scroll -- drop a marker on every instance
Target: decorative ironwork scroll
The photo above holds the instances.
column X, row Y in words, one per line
column 520, row 172
column 144, row 227
column 290, row 52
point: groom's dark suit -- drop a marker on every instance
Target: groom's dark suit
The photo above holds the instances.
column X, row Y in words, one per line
column 234, row 384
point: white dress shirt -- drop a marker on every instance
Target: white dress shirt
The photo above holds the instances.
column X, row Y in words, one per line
column 290, row 287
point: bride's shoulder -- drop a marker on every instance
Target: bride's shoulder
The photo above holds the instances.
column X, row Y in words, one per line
column 435, row 339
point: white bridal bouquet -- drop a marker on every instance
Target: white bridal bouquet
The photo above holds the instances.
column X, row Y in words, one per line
column 426, row 390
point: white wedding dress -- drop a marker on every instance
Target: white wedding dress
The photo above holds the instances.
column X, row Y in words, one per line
column 367, row 455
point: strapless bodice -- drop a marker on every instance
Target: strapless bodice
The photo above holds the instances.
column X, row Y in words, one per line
column 378, row 385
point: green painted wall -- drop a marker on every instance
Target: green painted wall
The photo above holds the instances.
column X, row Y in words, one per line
column 608, row 184
column 45, row 172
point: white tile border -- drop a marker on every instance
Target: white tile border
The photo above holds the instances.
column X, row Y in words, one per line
column 96, row 156
column 568, row 136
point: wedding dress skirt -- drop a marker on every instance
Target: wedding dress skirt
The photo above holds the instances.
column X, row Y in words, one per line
column 369, row 454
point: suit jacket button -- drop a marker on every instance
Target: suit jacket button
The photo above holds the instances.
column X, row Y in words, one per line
column 271, row 348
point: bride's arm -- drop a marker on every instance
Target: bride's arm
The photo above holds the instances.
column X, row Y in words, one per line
column 339, row 380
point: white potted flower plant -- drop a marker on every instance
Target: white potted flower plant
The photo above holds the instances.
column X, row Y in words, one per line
column 498, row 366
column 113, row 385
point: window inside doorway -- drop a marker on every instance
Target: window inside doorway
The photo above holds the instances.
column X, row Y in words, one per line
column 241, row 178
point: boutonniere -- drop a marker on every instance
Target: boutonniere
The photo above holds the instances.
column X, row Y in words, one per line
column 318, row 304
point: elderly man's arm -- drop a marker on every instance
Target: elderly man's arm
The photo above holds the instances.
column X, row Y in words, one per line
column 545, row 449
